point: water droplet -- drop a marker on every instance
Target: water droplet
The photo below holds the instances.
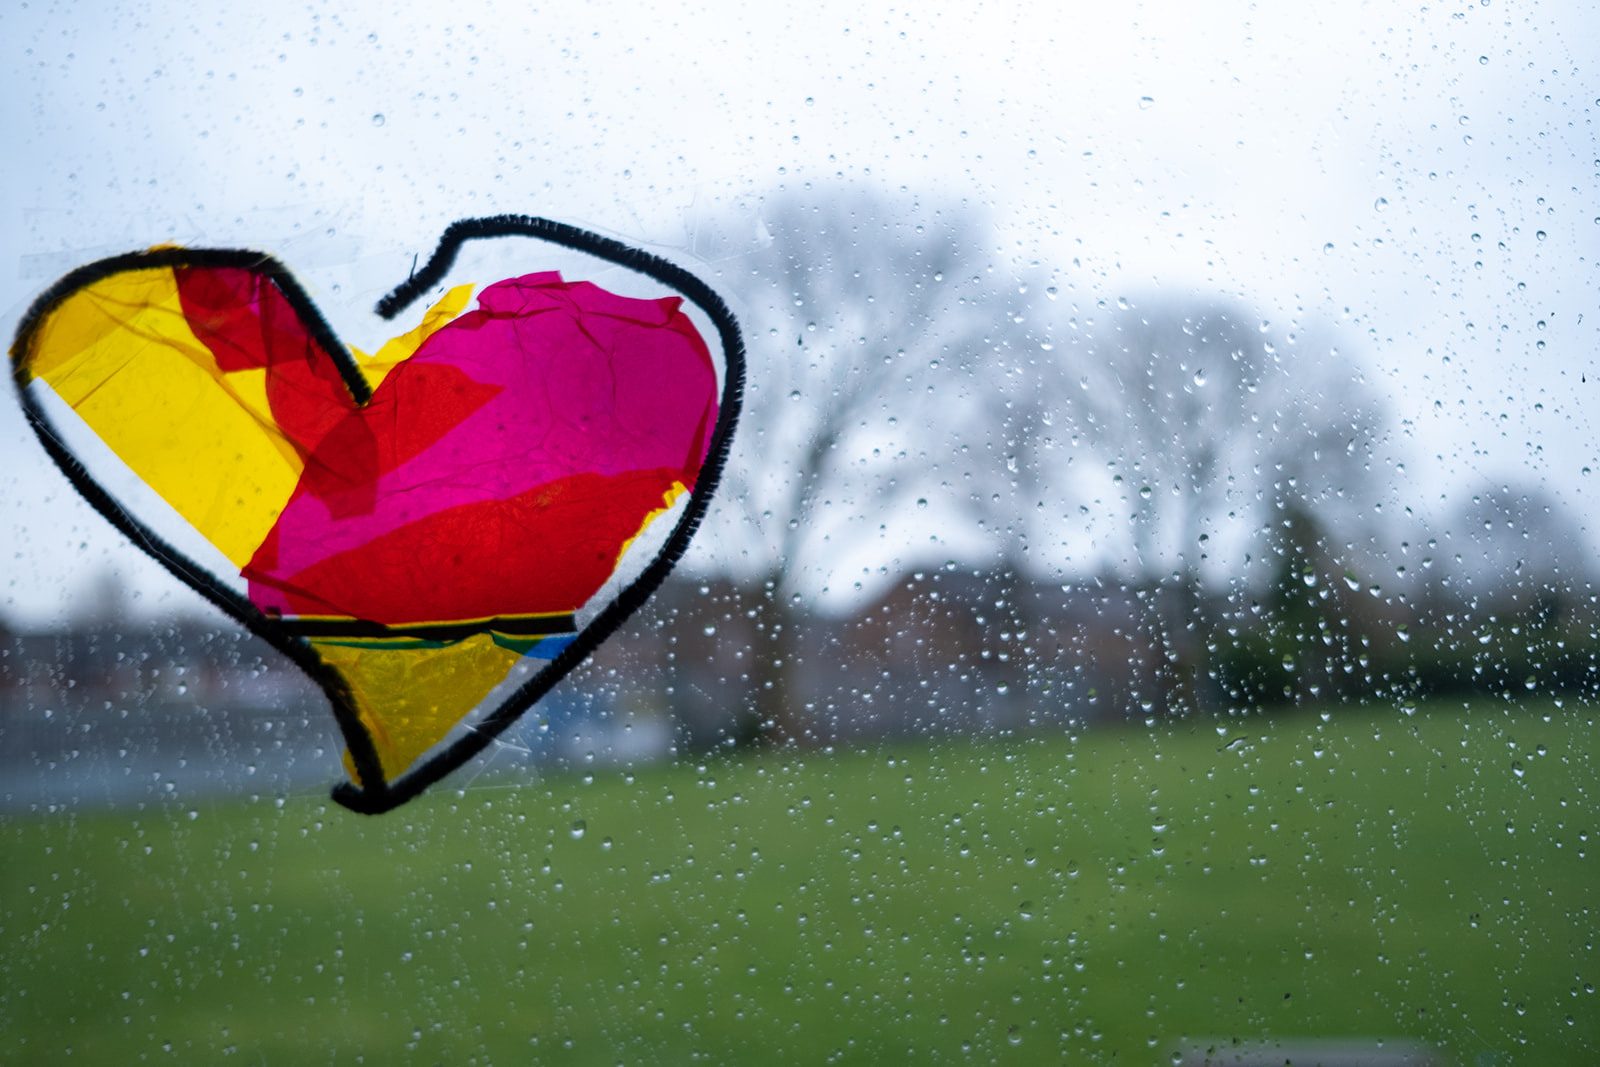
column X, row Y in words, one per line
column 378, row 119
column 1146, row 102
column 1380, row 204
column 579, row 828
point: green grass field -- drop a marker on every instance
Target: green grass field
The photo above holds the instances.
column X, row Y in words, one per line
column 1099, row 899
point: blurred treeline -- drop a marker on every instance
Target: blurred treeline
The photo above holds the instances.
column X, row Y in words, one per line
column 979, row 489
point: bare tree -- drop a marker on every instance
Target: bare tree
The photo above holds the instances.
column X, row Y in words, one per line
column 1515, row 549
column 1205, row 424
column 867, row 315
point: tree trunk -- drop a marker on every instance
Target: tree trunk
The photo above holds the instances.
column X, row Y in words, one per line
column 1194, row 657
column 1179, row 644
column 781, row 720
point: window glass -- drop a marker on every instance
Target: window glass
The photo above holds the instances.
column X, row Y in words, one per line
column 1149, row 614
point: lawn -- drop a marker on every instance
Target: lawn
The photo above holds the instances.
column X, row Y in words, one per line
column 1098, row 898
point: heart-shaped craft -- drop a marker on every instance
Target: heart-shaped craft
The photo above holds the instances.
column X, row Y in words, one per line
column 408, row 527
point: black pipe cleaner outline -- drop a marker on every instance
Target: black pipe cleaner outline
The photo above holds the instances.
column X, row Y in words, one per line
column 378, row 794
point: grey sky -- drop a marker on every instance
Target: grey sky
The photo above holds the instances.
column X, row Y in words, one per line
column 1422, row 178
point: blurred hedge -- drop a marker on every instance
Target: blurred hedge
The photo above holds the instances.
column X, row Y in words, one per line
column 1276, row 665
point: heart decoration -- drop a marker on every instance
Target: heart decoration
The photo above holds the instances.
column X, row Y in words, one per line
column 410, row 526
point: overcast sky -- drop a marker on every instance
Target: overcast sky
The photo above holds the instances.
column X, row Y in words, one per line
column 1425, row 178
